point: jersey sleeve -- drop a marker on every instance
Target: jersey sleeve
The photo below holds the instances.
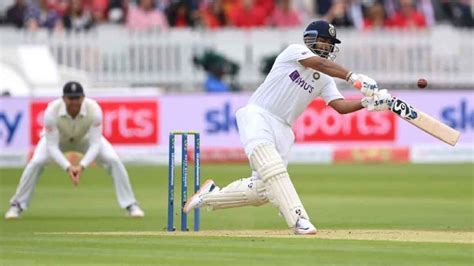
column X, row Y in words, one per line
column 295, row 53
column 330, row 92
column 95, row 135
column 51, row 133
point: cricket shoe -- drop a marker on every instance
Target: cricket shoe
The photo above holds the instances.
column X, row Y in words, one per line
column 195, row 201
column 134, row 211
column 14, row 212
column 304, row 227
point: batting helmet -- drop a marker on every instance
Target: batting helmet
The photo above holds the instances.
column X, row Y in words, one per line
column 321, row 28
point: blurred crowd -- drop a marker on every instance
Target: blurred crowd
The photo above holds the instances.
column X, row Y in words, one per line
column 81, row 15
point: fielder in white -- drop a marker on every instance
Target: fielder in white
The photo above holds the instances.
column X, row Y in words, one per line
column 300, row 74
column 73, row 123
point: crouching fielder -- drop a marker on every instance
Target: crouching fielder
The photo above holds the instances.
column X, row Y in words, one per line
column 73, row 123
column 299, row 75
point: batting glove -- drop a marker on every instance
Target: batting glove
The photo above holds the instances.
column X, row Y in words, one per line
column 380, row 101
column 366, row 85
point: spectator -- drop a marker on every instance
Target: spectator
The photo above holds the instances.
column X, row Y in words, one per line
column 305, row 8
column 117, row 11
column 162, row 4
column 77, row 18
column 16, row 13
column 390, row 7
column 180, row 14
column 337, row 14
column 375, row 17
column 217, row 67
column 213, row 14
column 284, row 15
column 215, row 83
column 441, row 9
column 322, row 7
column 458, row 12
column 407, row 17
column 59, row 6
column 427, row 9
column 4, row 6
column 355, row 12
column 145, row 16
column 247, row 15
column 39, row 15
column 266, row 5
column 98, row 8
column 230, row 5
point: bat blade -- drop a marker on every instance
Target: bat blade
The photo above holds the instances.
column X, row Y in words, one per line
column 424, row 122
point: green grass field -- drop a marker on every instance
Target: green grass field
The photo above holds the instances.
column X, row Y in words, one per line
column 374, row 198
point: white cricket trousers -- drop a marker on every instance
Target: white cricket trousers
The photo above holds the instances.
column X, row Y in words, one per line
column 107, row 157
column 257, row 126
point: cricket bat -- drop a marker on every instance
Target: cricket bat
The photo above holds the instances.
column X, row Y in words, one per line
column 424, row 121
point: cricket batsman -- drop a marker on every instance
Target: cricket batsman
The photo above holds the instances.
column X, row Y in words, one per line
column 299, row 75
column 73, row 123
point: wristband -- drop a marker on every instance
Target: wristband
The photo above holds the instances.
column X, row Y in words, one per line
column 348, row 76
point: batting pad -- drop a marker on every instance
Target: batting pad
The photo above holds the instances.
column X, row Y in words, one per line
column 281, row 192
column 243, row 192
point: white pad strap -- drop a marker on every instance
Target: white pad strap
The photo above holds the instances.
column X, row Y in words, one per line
column 281, row 192
column 243, row 192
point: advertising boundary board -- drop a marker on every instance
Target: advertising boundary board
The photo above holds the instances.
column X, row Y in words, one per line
column 335, row 138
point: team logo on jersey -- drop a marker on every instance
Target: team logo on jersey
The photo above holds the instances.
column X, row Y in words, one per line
column 332, row 30
column 316, row 75
column 296, row 78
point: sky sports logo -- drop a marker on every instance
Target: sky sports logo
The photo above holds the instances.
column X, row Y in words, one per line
column 296, row 78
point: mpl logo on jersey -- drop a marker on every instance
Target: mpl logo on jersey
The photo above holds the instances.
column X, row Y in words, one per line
column 296, row 78
column 124, row 121
column 322, row 123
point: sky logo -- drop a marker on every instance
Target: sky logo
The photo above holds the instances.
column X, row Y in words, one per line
column 8, row 126
column 221, row 120
column 296, row 78
column 459, row 116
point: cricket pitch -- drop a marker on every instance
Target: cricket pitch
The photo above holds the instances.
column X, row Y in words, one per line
column 342, row 234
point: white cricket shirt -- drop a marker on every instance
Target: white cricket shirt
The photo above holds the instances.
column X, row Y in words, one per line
column 60, row 129
column 290, row 87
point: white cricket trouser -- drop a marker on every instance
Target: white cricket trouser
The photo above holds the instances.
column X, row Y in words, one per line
column 107, row 157
column 257, row 126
